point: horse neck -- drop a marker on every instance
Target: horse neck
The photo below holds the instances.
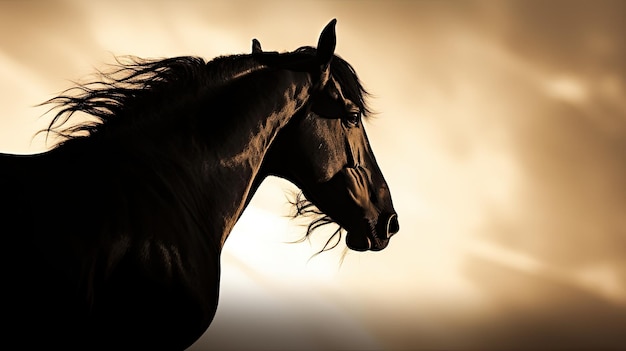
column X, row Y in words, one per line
column 271, row 98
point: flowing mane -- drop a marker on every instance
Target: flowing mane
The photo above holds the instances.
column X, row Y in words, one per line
column 140, row 88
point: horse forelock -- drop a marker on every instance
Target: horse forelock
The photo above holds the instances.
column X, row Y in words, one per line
column 346, row 76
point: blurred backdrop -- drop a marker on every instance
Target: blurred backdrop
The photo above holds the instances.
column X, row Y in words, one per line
column 501, row 130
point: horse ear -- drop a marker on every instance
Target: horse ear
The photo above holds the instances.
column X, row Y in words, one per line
column 326, row 44
column 326, row 51
column 256, row 47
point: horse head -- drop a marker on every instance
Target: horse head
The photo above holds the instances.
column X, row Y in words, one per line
column 324, row 149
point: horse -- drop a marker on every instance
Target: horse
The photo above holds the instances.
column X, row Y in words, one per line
column 112, row 238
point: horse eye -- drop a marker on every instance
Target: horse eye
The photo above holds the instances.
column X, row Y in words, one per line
column 353, row 118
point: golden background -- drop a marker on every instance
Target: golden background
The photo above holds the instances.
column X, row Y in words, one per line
column 501, row 131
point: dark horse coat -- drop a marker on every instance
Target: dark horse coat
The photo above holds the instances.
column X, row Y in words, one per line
column 112, row 239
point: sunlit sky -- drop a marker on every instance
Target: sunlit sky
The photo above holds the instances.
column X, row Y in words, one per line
column 501, row 130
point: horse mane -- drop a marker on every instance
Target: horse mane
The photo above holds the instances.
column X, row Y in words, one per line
column 136, row 87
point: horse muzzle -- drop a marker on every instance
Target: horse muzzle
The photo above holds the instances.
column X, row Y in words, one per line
column 374, row 235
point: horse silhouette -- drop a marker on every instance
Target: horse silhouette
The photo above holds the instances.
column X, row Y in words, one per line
column 112, row 239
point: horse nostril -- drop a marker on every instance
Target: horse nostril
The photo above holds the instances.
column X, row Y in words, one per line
column 392, row 225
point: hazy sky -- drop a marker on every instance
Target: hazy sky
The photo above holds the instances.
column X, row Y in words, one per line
column 501, row 131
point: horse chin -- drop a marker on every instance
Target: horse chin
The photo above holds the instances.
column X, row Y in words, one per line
column 358, row 242
column 362, row 242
